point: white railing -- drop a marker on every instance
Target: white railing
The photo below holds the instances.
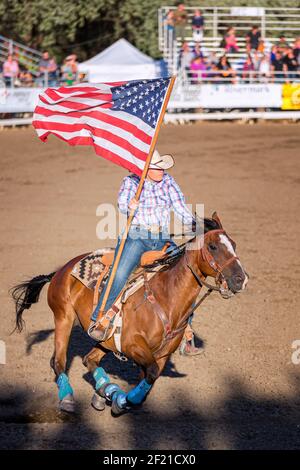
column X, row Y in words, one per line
column 272, row 22
column 183, row 118
column 26, row 56
column 217, row 19
column 188, row 78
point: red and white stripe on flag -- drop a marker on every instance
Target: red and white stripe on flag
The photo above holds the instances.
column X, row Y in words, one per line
column 117, row 119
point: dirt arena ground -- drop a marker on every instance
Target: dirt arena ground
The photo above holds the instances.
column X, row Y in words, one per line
column 243, row 391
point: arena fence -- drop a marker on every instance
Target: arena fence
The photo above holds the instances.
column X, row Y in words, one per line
column 183, row 118
column 273, row 22
column 27, row 57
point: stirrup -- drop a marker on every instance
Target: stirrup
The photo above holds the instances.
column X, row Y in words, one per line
column 188, row 348
column 99, row 330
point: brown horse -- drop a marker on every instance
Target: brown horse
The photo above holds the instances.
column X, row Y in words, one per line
column 154, row 317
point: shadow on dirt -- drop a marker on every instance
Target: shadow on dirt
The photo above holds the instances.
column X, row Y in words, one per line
column 240, row 421
column 18, row 414
column 81, row 344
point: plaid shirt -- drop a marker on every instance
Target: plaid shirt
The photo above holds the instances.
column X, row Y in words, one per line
column 156, row 201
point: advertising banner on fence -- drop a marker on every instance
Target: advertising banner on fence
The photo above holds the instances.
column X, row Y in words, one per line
column 228, row 96
column 207, row 96
column 18, row 100
column 291, row 96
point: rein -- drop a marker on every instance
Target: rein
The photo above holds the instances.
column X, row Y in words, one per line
column 207, row 256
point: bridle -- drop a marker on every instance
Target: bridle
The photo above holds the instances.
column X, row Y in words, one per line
column 221, row 287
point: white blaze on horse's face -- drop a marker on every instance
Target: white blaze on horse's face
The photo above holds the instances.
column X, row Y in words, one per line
column 225, row 241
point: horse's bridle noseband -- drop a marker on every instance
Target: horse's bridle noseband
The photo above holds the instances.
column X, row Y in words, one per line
column 215, row 266
column 208, row 257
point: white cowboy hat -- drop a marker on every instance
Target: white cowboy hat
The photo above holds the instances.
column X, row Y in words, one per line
column 161, row 162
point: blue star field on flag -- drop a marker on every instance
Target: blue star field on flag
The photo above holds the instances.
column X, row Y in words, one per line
column 141, row 98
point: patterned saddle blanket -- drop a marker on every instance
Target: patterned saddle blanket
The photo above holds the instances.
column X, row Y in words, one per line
column 90, row 268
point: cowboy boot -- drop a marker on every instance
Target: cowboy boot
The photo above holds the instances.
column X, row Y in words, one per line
column 187, row 346
column 99, row 330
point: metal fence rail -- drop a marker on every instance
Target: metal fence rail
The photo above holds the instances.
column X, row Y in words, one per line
column 272, row 21
column 188, row 78
column 27, row 56
column 182, row 118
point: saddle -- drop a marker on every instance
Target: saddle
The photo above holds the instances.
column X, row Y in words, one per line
column 147, row 258
column 93, row 269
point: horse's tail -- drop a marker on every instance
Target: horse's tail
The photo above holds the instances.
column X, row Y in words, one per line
column 26, row 294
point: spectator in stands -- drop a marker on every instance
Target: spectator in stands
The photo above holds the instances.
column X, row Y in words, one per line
column 264, row 69
column 256, row 58
column 290, row 65
column 197, row 51
column 261, row 46
column 69, row 70
column 253, row 38
column 170, row 27
column 212, row 58
column 282, row 44
column 26, row 78
column 185, row 58
column 277, row 67
column 213, row 72
column 248, row 69
column 274, row 49
column 47, row 70
column 198, row 69
column 296, row 49
column 10, row 70
column 180, row 21
column 231, row 41
column 198, row 26
column 227, row 73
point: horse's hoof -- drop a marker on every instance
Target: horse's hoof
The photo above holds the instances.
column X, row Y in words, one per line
column 67, row 404
column 108, row 390
column 119, row 405
column 98, row 402
column 116, row 410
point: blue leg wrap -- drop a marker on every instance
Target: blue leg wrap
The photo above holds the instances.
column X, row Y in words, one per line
column 64, row 387
column 138, row 393
column 120, row 397
column 100, row 377
column 110, row 390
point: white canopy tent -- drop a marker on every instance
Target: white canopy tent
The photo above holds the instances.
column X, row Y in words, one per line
column 120, row 61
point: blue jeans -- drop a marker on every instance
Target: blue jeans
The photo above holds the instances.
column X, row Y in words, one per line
column 138, row 241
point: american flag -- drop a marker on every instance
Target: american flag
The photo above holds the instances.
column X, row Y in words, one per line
column 117, row 119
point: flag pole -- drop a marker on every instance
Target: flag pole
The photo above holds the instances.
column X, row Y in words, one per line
column 138, row 193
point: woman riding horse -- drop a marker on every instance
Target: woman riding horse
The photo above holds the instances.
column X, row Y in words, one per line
column 154, row 317
column 148, row 231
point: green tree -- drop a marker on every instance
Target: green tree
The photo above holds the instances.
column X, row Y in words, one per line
column 87, row 27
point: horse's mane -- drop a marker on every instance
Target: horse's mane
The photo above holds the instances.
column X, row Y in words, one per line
column 203, row 226
column 209, row 224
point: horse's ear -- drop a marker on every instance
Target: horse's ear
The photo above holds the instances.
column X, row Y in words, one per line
column 215, row 217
